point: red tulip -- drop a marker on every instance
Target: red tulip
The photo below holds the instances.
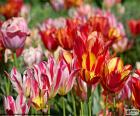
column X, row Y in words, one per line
column 90, row 54
column 115, row 75
column 70, row 3
column 136, row 89
column 65, row 36
column 134, row 27
column 11, row 8
column 14, row 32
column 99, row 24
column 49, row 39
column 47, row 32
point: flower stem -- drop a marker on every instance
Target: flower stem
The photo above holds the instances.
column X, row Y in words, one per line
column 49, row 107
column 73, row 102
column 89, row 101
column 105, row 105
column 7, row 87
column 81, row 109
column 64, row 112
column 114, row 106
column 15, row 60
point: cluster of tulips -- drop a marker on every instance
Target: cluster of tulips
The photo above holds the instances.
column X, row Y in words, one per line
column 80, row 57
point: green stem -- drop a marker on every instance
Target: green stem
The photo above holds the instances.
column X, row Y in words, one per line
column 81, row 109
column 114, row 106
column 89, row 101
column 49, row 109
column 15, row 60
column 7, row 87
column 73, row 102
column 64, row 112
column 105, row 105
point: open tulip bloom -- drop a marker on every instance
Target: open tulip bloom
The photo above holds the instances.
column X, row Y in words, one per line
column 69, row 65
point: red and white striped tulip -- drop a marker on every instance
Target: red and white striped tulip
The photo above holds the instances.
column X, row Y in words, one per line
column 18, row 107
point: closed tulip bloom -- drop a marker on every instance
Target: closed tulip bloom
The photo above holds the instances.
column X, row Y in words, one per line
column 134, row 26
column 20, row 106
column 32, row 55
column 57, row 4
column 70, row 3
column 49, row 39
column 115, row 75
column 47, row 32
column 14, row 32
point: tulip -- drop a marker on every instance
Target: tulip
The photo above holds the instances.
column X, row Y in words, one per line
column 48, row 76
column 115, row 75
column 137, row 65
column 22, row 85
column 83, row 12
column 32, row 55
column 108, row 3
column 122, row 45
column 16, row 80
column 14, row 32
column 136, row 88
column 99, row 24
column 34, row 90
column 65, row 36
column 91, row 55
column 18, row 107
column 49, row 39
column 11, row 8
column 134, row 27
column 70, row 3
column 125, row 93
column 2, row 48
column 47, row 32
column 30, row 87
column 57, row 4
column 80, row 88
column 68, row 74
column 39, row 97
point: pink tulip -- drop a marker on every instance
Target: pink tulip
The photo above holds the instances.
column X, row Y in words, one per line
column 16, row 80
column 69, row 72
column 125, row 93
column 30, row 87
column 19, row 107
column 14, row 32
column 48, row 75
column 32, row 55
column 80, row 88
column 22, row 85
